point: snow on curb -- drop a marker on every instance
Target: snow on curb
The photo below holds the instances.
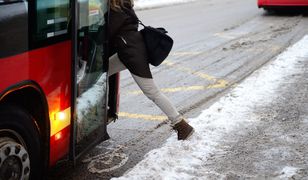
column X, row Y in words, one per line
column 148, row 4
column 288, row 172
column 233, row 112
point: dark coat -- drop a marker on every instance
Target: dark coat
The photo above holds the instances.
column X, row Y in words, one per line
column 125, row 40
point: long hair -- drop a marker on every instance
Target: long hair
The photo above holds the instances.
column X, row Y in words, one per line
column 118, row 5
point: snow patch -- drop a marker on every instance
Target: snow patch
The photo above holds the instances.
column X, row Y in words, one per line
column 288, row 172
column 90, row 106
column 233, row 112
column 91, row 97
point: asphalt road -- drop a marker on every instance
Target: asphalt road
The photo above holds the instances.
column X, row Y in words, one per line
column 217, row 45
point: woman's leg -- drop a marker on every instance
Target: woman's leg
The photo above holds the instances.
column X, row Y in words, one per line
column 184, row 130
column 115, row 65
column 150, row 89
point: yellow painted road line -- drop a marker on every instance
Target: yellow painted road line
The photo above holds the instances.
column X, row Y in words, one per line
column 176, row 89
column 142, row 116
column 190, row 71
column 218, row 85
column 225, row 35
column 275, row 48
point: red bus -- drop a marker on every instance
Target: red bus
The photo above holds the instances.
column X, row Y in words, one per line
column 55, row 95
column 266, row 4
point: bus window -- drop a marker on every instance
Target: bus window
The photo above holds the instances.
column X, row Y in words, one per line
column 13, row 27
column 52, row 21
column 91, row 73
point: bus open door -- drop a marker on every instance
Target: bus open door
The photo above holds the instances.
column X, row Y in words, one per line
column 95, row 94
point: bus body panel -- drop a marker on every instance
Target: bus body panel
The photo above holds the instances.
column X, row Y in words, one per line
column 37, row 46
column 50, row 68
column 263, row 3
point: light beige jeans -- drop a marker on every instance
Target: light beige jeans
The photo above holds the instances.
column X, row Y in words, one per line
column 149, row 89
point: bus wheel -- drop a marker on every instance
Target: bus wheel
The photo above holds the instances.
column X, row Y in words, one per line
column 20, row 156
column 14, row 160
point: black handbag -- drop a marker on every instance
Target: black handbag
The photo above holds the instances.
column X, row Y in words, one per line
column 157, row 42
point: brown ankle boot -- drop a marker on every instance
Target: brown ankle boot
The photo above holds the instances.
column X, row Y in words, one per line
column 184, row 130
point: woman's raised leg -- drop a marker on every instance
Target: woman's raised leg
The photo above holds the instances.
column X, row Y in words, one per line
column 150, row 89
column 178, row 123
column 115, row 65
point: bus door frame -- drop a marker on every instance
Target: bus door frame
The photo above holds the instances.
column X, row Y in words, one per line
column 73, row 155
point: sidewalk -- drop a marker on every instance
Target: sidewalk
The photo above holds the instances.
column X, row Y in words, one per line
column 259, row 130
